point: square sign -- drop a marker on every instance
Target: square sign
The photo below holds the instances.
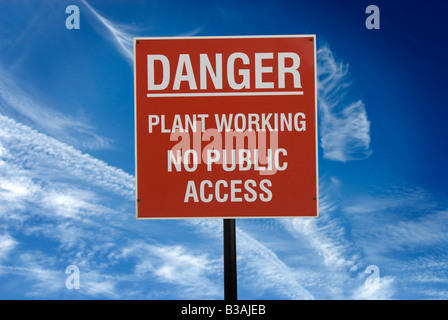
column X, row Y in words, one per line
column 226, row 127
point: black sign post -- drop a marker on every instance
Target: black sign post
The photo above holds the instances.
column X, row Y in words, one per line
column 230, row 282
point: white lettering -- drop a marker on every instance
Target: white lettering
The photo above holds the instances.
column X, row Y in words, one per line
column 245, row 73
column 240, row 67
column 216, row 76
column 233, row 191
column 259, row 70
column 282, row 69
column 152, row 58
column 184, row 63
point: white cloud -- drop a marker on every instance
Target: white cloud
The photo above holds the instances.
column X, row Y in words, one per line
column 267, row 271
column 391, row 199
column 121, row 35
column 402, row 230
column 190, row 33
column 344, row 127
column 331, row 256
column 327, row 237
column 326, row 234
column 428, row 273
column 7, row 243
column 264, row 270
column 400, row 218
column 383, row 291
column 95, row 283
column 53, row 192
column 76, row 131
column 426, row 230
column 191, row 273
column 37, row 156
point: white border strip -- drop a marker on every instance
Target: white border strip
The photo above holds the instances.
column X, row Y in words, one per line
column 227, row 37
column 227, row 94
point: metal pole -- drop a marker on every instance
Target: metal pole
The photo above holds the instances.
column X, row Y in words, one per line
column 230, row 283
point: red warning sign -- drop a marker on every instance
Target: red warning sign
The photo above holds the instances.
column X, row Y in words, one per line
column 226, row 127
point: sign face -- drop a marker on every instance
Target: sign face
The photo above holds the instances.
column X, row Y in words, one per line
column 226, row 127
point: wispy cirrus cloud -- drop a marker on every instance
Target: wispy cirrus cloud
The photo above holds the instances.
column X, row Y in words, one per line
column 76, row 131
column 272, row 274
column 429, row 275
column 384, row 291
column 79, row 208
column 344, row 126
column 40, row 157
column 402, row 230
column 261, row 266
column 400, row 218
column 326, row 234
column 191, row 275
column 335, row 266
column 121, row 34
column 392, row 199
column 7, row 243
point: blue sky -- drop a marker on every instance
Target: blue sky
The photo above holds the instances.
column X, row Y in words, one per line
column 67, row 156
